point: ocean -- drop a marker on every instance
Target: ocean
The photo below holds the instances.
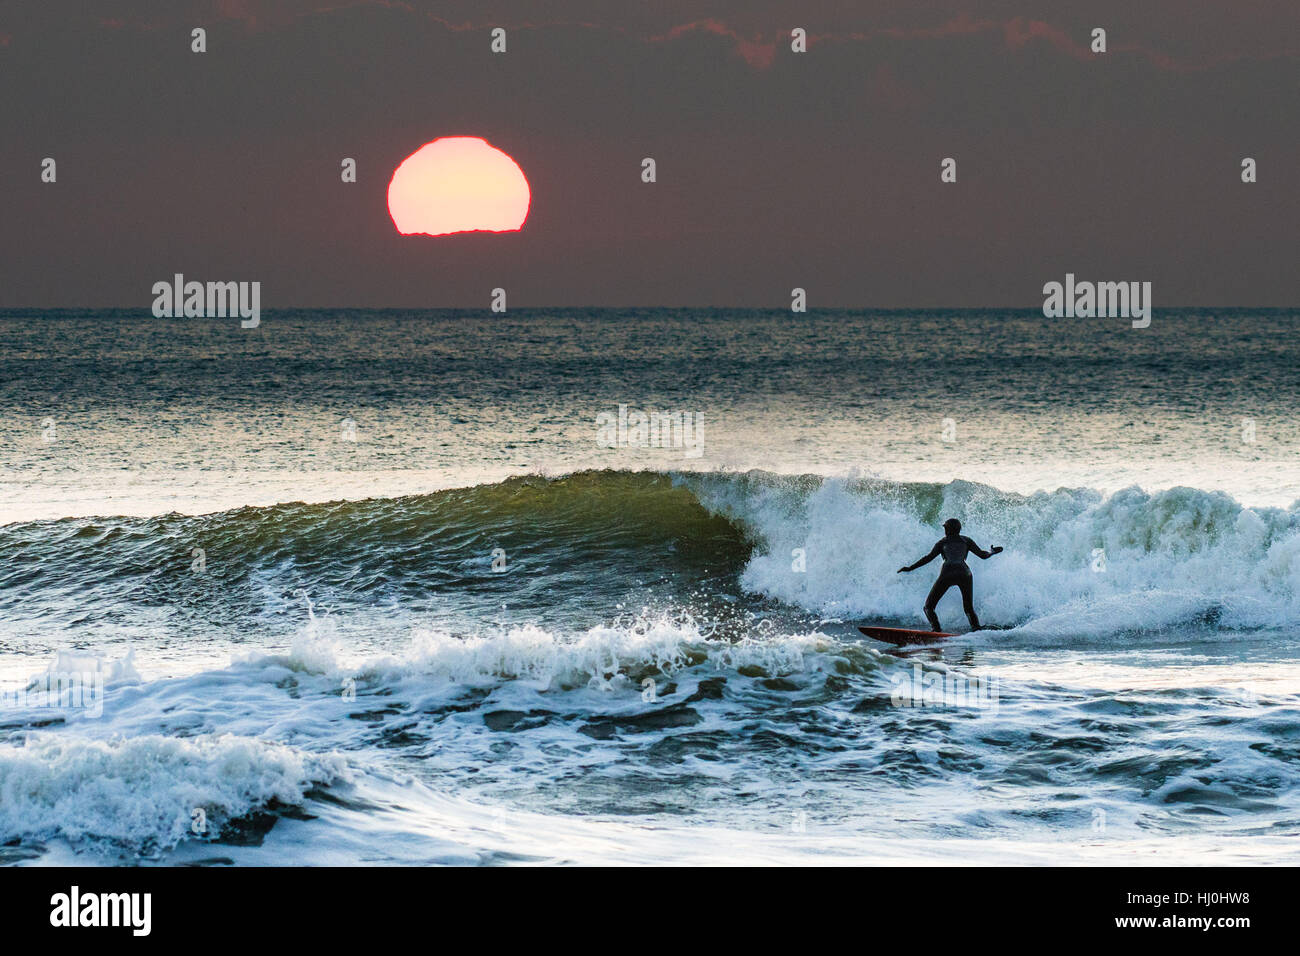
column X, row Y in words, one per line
column 583, row 586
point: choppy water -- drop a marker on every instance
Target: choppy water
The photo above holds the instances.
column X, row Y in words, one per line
column 474, row 635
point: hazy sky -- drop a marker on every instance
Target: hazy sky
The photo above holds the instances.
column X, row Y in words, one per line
column 775, row 169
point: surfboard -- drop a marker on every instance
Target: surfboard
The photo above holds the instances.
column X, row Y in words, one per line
column 902, row 636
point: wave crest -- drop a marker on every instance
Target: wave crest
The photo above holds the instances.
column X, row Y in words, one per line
column 139, row 794
column 1129, row 561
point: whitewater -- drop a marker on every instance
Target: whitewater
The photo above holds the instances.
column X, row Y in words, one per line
column 1144, row 707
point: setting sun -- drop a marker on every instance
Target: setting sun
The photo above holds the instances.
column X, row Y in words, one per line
column 458, row 184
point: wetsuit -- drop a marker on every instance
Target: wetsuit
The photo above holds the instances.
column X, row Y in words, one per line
column 954, row 549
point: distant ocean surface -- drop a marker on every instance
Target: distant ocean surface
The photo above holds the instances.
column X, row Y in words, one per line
column 371, row 587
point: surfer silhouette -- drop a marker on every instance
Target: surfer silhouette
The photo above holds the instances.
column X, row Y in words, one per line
column 954, row 547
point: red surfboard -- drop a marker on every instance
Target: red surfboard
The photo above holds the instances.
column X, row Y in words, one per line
column 901, row 635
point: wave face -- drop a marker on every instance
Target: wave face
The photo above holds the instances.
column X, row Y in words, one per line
column 575, row 550
column 566, row 543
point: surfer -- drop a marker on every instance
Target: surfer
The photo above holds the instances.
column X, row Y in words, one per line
column 954, row 547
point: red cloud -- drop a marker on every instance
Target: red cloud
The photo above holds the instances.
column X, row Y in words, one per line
column 756, row 52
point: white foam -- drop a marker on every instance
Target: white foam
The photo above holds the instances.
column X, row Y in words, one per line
column 600, row 658
column 140, row 793
column 1170, row 557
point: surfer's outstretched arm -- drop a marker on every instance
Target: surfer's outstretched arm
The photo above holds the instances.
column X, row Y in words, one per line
column 977, row 550
column 934, row 553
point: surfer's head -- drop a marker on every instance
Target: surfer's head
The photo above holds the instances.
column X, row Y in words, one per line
column 952, row 526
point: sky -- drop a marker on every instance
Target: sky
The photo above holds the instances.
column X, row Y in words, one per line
column 775, row 169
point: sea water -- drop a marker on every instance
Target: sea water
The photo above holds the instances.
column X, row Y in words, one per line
column 582, row 586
